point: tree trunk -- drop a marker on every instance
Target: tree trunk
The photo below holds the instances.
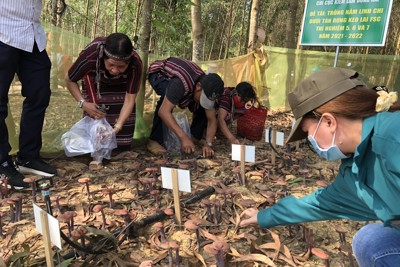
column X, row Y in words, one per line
column 242, row 27
column 141, row 129
column 54, row 6
column 137, row 16
column 291, row 24
column 96, row 19
column 116, row 16
column 229, row 35
column 197, row 31
column 222, row 39
column 212, row 44
column 291, row 43
column 85, row 26
column 253, row 26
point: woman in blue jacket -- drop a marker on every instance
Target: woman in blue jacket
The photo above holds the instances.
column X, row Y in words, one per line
column 345, row 119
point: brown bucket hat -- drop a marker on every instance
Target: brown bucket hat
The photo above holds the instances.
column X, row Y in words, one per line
column 317, row 89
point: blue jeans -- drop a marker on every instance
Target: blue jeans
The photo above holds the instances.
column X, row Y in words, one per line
column 377, row 246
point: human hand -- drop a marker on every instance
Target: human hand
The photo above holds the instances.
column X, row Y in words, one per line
column 207, row 151
column 187, row 144
column 250, row 216
column 93, row 111
column 234, row 141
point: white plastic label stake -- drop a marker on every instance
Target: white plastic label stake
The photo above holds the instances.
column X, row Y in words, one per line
column 54, row 226
column 250, row 152
column 280, row 138
column 183, row 179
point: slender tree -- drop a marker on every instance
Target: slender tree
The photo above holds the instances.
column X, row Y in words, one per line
column 116, row 15
column 230, row 28
column 291, row 24
column 197, row 31
column 141, row 128
column 253, row 25
column 96, row 19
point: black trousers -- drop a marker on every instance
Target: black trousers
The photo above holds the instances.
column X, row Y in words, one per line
column 199, row 119
column 33, row 70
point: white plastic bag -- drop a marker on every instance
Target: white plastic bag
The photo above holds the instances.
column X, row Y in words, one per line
column 90, row 136
column 171, row 141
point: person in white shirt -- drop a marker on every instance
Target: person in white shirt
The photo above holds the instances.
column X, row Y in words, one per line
column 22, row 52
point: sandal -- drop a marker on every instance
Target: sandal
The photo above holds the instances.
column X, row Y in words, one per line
column 95, row 165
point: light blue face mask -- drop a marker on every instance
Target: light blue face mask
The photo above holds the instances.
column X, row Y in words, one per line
column 331, row 153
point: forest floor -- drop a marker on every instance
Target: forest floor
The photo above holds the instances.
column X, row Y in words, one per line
column 141, row 241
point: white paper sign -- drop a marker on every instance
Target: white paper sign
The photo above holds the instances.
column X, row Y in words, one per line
column 54, row 226
column 280, row 138
column 249, row 153
column 183, row 179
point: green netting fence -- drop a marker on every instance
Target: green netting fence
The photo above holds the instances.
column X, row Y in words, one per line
column 273, row 71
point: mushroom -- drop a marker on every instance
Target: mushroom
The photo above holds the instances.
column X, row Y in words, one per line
column 217, row 249
column 155, row 193
column 99, row 208
column 85, row 180
column 66, row 218
column 79, row 233
column 72, row 215
column 176, row 245
column 32, row 181
column 125, row 214
column 322, row 255
column 11, row 203
column 193, row 226
column 109, row 192
column 220, row 247
column 166, row 245
column 160, row 227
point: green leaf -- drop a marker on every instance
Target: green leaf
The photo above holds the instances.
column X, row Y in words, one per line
column 66, row 263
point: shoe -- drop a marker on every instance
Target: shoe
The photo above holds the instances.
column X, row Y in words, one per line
column 155, row 148
column 15, row 179
column 35, row 166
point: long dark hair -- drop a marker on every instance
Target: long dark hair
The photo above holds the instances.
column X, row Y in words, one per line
column 119, row 45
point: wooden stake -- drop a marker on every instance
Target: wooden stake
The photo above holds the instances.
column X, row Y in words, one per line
column 273, row 143
column 175, row 191
column 46, row 238
column 242, row 163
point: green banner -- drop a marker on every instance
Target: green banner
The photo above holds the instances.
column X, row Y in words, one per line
column 346, row 22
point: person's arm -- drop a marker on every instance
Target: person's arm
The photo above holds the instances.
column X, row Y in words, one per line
column 126, row 110
column 222, row 113
column 212, row 125
column 337, row 201
column 89, row 108
column 165, row 113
